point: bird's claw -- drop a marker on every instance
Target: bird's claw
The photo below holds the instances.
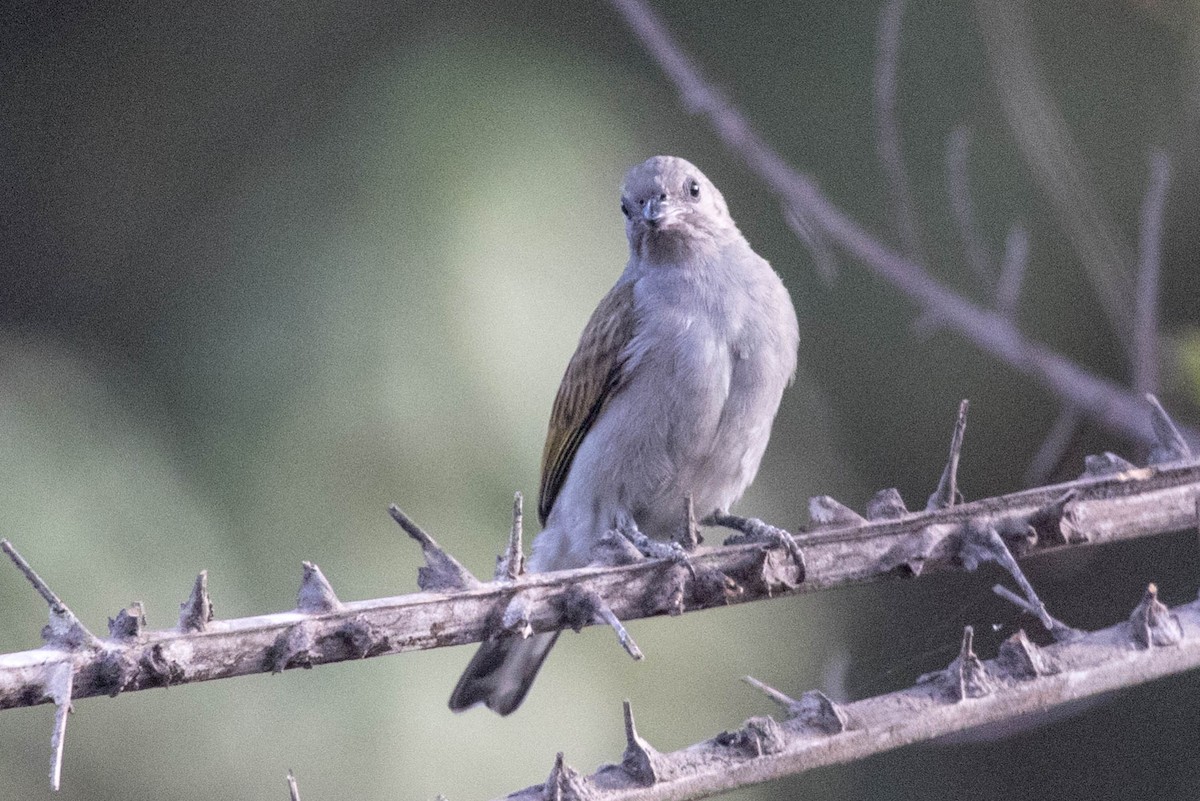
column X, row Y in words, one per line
column 754, row 530
column 653, row 549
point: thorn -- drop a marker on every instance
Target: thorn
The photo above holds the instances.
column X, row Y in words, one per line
column 293, row 788
column 817, row 711
column 1170, row 446
column 670, row 593
column 316, row 594
column 782, row 699
column 967, row 677
column 605, row 614
column 197, row 611
column 714, row 588
column 61, row 685
column 776, row 572
column 64, row 630
column 1021, row 659
column 689, row 535
column 886, row 505
column 443, row 572
column 362, row 638
column 825, row 511
column 1060, row 631
column 910, row 553
column 516, row 616
column 759, row 736
column 1152, row 623
column 641, row 760
column 292, row 648
column 577, row 608
column 160, row 669
column 981, row 542
column 813, row 708
column 511, row 564
column 129, row 622
column 947, row 493
column 1106, row 464
column 565, row 783
column 1054, row 511
column 114, row 671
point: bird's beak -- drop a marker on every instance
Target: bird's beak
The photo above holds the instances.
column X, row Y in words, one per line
column 655, row 211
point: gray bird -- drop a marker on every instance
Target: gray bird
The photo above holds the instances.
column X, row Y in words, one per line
column 671, row 392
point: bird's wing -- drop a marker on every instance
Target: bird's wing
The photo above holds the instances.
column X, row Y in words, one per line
column 596, row 372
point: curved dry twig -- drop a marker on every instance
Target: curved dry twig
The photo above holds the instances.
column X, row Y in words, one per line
column 1118, row 409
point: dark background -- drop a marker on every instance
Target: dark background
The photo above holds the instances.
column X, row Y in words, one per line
column 265, row 268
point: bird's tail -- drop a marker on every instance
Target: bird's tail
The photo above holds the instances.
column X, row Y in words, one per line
column 501, row 672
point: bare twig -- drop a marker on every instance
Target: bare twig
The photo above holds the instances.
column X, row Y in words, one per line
column 1054, row 445
column 891, row 154
column 1145, row 316
column 958, row 187
column 1022, row 679
column 1012, row 270
column 1109, row 405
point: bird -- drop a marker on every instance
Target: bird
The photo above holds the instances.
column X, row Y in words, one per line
column 671, row 392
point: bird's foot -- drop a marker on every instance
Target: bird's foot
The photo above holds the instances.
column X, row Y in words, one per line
column 653, row 549
column 754, row 530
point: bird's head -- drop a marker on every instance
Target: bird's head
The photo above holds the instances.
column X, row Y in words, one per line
column 671, row 209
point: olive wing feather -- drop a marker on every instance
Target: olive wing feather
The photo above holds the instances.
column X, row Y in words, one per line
column 595, row 373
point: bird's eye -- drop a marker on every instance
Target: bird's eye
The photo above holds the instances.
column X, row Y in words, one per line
column 693, row 188
column 624, row 209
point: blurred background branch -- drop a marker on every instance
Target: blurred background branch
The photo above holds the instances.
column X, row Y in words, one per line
column 1055, row 161
column 1105, row 402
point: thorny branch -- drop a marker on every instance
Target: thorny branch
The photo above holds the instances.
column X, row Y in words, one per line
column 1021, row 679
column 820, row 223
column 1113, row 500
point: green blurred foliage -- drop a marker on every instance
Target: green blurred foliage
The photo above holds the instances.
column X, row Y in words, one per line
column 1187, row 353
column 268, row 269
